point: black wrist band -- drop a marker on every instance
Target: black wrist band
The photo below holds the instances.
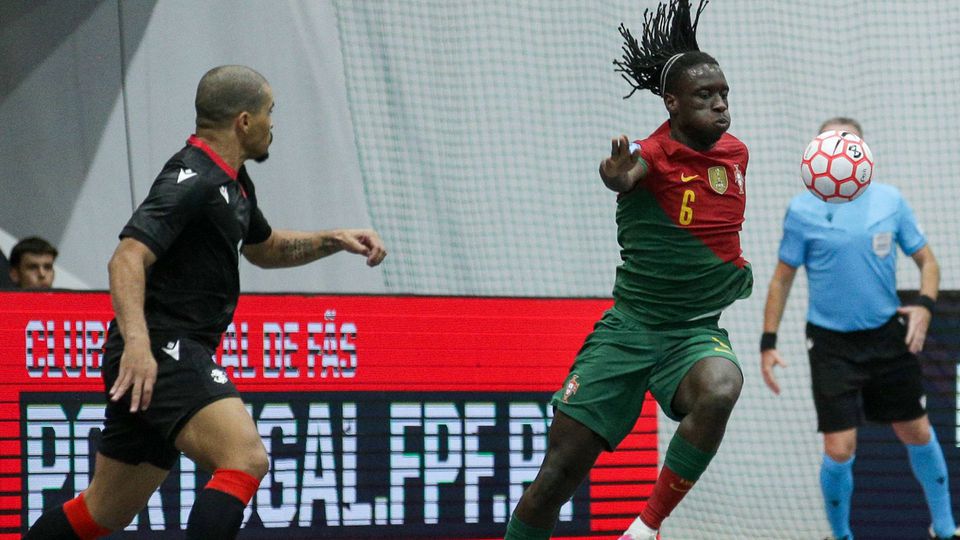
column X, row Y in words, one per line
column 926, row 301
column 768, row 340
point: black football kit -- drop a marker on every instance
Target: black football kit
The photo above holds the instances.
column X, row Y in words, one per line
column 196, row 218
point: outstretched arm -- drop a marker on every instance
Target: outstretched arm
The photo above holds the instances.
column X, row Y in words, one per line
column 777, row 294
column 128, row 283
column 622, row 170
column 918, row 316
column 294, row 248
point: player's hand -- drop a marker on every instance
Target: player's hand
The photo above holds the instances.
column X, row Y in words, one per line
column 918, row 322
column 621, row 160
column 138, row 373
column 768, row 359
column 364, row 242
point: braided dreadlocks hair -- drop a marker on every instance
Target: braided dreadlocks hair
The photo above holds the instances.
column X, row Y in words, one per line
column 666, row 48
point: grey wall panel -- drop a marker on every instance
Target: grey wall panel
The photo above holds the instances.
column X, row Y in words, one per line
column 86, row 83
column 64, row 153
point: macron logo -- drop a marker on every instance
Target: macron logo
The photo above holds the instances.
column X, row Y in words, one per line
column 172, row 349
column 185, row 174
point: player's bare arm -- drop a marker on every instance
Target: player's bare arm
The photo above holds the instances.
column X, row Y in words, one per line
column 622, row 169
column 918, row 317
column 294, row 248
column 128, row 278
column 777, row 294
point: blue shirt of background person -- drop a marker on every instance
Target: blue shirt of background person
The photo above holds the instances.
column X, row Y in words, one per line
column 855, row 241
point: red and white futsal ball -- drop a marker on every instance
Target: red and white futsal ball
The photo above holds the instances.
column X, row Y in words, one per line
column 837, row 166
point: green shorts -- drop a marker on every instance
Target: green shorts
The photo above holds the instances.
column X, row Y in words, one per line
column 622, row 359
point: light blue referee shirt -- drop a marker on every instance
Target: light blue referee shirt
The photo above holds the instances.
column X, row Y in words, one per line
column 850, row 255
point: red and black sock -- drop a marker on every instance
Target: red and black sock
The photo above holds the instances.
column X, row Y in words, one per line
column 218, row 511
column 70, row 521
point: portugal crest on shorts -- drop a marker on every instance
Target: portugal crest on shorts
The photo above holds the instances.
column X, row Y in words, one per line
column 571, row 388
column 718, row 179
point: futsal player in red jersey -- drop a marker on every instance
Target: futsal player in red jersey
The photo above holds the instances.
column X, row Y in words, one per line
column 681, row 196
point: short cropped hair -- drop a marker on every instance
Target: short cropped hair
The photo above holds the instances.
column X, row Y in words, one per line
column 226, row 91
column 842, row 120
column 33, row 245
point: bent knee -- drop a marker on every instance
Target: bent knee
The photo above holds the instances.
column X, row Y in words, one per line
column 720, row 397
column 714, row 378
column 840, row 447
column 250, row 458
column 259, row 464
column 253, row 461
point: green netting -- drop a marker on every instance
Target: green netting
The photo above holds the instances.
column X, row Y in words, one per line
column 480, row 126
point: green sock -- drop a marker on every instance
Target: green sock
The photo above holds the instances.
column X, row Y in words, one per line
column 685, row 459
column 518, row 530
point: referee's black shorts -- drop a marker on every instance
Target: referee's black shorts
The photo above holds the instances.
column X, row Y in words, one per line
column 864, row 375
column 187, row 380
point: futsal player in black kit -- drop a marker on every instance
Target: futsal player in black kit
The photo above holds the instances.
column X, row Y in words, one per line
column 174, row 283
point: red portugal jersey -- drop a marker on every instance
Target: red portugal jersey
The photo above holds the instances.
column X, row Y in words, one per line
column 679, row 232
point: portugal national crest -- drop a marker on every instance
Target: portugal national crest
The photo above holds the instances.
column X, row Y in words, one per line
column 571, row 388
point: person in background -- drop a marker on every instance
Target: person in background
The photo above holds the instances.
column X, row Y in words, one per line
column 31, row 263
column 862, row 349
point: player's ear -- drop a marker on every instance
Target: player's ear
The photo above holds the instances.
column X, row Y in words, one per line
column 242, row 122
column 670, row 102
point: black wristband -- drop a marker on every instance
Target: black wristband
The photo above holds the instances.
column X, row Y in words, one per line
column 927, row 302
column 768, row 340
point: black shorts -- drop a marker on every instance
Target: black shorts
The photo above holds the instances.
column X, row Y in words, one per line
column 867, row 374
column 187, row 380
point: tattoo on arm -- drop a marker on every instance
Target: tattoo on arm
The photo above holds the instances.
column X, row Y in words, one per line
column 329, row 246
column 295, row 249
column 303, row 250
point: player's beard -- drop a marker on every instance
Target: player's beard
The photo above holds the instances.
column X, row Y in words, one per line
column 266, row 153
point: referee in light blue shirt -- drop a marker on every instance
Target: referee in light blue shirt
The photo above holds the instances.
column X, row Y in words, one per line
column 861, row 342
